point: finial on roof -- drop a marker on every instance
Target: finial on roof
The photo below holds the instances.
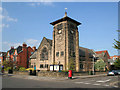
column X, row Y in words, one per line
column 65, row 12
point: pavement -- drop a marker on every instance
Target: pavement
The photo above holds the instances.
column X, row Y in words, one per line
column 90, row 81
column 52, row 78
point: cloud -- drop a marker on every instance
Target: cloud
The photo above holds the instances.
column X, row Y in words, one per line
column 35, row 4
column 7, row 45
column 0, row 9
column 5, row 18
column 4, row 25
column 9, row 19
column 32, row 42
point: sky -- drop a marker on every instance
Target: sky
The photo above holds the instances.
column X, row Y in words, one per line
column 30, row 22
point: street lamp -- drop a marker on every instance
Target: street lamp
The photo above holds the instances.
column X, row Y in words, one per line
column 93, row 64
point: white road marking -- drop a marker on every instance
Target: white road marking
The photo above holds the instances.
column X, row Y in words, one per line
column 106, row 85
column 96, row 84
column 104, row 80
column 116, row 86
column 87, row 83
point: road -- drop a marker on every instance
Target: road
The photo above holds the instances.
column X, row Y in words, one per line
column 23, row 82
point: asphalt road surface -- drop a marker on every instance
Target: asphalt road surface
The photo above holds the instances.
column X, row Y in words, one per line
column 96, row 82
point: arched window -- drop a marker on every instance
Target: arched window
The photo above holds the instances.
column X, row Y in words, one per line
column 44, row 54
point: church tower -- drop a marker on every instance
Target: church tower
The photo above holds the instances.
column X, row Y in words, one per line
column 65, row 44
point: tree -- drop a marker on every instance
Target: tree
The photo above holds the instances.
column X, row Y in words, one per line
column 117, row 46
column 100, row 65
column 117, row 63
column 71, row 64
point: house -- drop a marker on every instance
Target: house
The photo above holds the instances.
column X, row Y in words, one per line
column 114, row 57
column 104, row 55
column 86, row 59
column 2, row 58
column 20, row 55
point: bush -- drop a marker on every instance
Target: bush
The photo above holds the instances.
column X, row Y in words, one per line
column 22, row 69
column 0, row 69
column 6, row 69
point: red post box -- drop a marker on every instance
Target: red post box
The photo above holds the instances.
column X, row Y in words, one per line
column 70, row 74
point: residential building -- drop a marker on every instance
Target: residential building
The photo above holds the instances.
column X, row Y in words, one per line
column 114, row 57
column 2, row 58
column 104, row 55
column 20, row 55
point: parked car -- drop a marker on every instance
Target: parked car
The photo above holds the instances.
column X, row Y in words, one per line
column 118, row 72
column 112, row 73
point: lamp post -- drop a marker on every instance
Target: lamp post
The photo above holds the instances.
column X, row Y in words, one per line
column 93, row 64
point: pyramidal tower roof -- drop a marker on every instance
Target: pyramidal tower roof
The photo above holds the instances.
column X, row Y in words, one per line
column 65, row 18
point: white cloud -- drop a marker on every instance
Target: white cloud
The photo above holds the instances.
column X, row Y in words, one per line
column 32, row 42
column 5, row 18
column 9, row 19
column 0, row 9
column 7, row 45
column 4, row 25
column 35, row 4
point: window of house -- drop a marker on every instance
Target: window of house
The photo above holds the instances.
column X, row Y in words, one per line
column 31, row 52
column 81, row 66
column 0, row 60
column 41, row 65
column 44, row 54
column 57, row 54
column 73, row 54
column 32, row 66
column 46, row 65
column 14, row 58
column 62, row 53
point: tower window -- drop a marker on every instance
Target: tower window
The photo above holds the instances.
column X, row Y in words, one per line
column 57, row 54
column 81, row 66
column 46, row 65
column 62, row 53
column 59, row 27
column 41, row 65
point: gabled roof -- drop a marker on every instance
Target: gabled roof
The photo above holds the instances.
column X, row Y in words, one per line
column 65, row 19
column 83, row 50
column 33, row 56
column 11, row 51
column 3, row 53
column 44, row 40
column 104, row 51
column 49, row 40
column 19, row 49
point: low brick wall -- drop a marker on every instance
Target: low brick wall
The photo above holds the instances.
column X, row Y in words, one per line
column 21, row 73
column 52, row 74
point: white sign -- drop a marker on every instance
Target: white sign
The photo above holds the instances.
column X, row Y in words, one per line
column 51, row 67
column 56, row 67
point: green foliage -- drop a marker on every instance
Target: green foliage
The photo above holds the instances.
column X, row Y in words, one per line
column 22, row 69
column 7, row 63
column 6, row 69
column 71, row 64
column 0, row 68
column 100, row 65
column 117, row 63
column 116, row 44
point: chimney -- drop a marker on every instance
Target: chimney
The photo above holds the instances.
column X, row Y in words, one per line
column 34, row 48
column 24, row 44
column 12, row 47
